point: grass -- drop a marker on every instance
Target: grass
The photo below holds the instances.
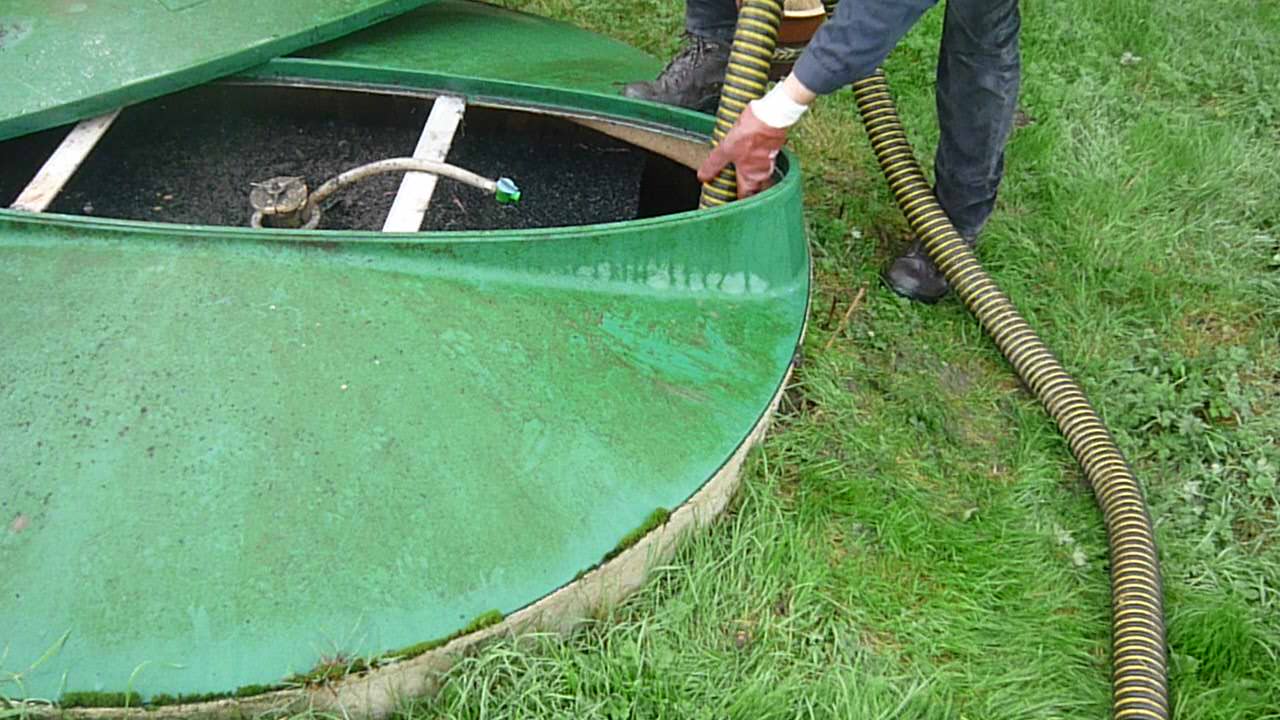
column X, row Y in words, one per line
column 913, row 539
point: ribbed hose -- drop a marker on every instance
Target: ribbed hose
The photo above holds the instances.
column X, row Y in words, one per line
column 745, row 80
column 1139, row 673
column 1139, row 670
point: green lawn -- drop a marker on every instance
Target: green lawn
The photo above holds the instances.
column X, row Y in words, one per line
column 913, row 539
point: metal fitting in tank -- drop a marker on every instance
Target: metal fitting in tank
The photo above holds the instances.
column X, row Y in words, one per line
column 281, row 202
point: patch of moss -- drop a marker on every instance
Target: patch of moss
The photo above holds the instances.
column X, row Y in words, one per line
column 417, row 649
column 165, row 699
column 185, row 699
column 252, row 690
column 478, row 623
column 91, row 698
column 656, row 519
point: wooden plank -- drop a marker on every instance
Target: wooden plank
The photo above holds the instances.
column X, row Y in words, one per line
column 414, row 196
column 686, row 152
column 63, row 163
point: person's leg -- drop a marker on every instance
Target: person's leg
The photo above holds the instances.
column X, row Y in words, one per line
column 712, row 20
column 977, row 95
column 693, row 78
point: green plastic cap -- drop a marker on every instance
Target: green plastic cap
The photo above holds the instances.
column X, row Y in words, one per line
column 508, row 193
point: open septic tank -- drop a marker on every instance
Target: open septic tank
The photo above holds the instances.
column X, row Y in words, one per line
column 265, row 469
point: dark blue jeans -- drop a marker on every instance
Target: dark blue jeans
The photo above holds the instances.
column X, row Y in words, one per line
column 977, row 83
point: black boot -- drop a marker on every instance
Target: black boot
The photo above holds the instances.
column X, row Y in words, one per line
column 692, row 79
column 914, row 276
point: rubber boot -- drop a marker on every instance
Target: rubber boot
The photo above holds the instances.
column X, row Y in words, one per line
column 914, row 276
column 691, row 80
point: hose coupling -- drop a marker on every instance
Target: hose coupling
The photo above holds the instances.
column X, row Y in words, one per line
column 281, row 202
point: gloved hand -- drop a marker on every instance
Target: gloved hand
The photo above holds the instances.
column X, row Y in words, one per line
column 752, row 147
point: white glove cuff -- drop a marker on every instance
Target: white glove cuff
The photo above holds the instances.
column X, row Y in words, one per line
column 777, row 109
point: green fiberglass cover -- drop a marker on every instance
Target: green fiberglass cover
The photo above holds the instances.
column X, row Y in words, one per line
column 64, row 60
column 231, row 458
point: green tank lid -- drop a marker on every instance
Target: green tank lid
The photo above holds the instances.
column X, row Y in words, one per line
column 65, row 60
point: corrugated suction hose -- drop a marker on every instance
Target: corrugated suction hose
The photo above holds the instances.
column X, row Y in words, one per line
column 1139, row 665
column 745, row 80
column 1139, row 672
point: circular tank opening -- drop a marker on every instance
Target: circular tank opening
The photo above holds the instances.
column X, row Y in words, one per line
column 193, row 157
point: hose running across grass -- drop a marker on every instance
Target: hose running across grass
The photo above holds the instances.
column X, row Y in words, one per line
column 1139, row 672
column 1139, row 669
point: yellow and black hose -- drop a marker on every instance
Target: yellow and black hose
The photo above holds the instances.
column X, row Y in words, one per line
column 1139, row 673
column 746, row 79
column 1139, row 664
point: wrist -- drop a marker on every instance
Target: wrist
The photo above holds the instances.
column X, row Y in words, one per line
column 798, row 91
column 778, row 109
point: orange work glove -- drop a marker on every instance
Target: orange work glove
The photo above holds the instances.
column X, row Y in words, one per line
column 752, row 147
